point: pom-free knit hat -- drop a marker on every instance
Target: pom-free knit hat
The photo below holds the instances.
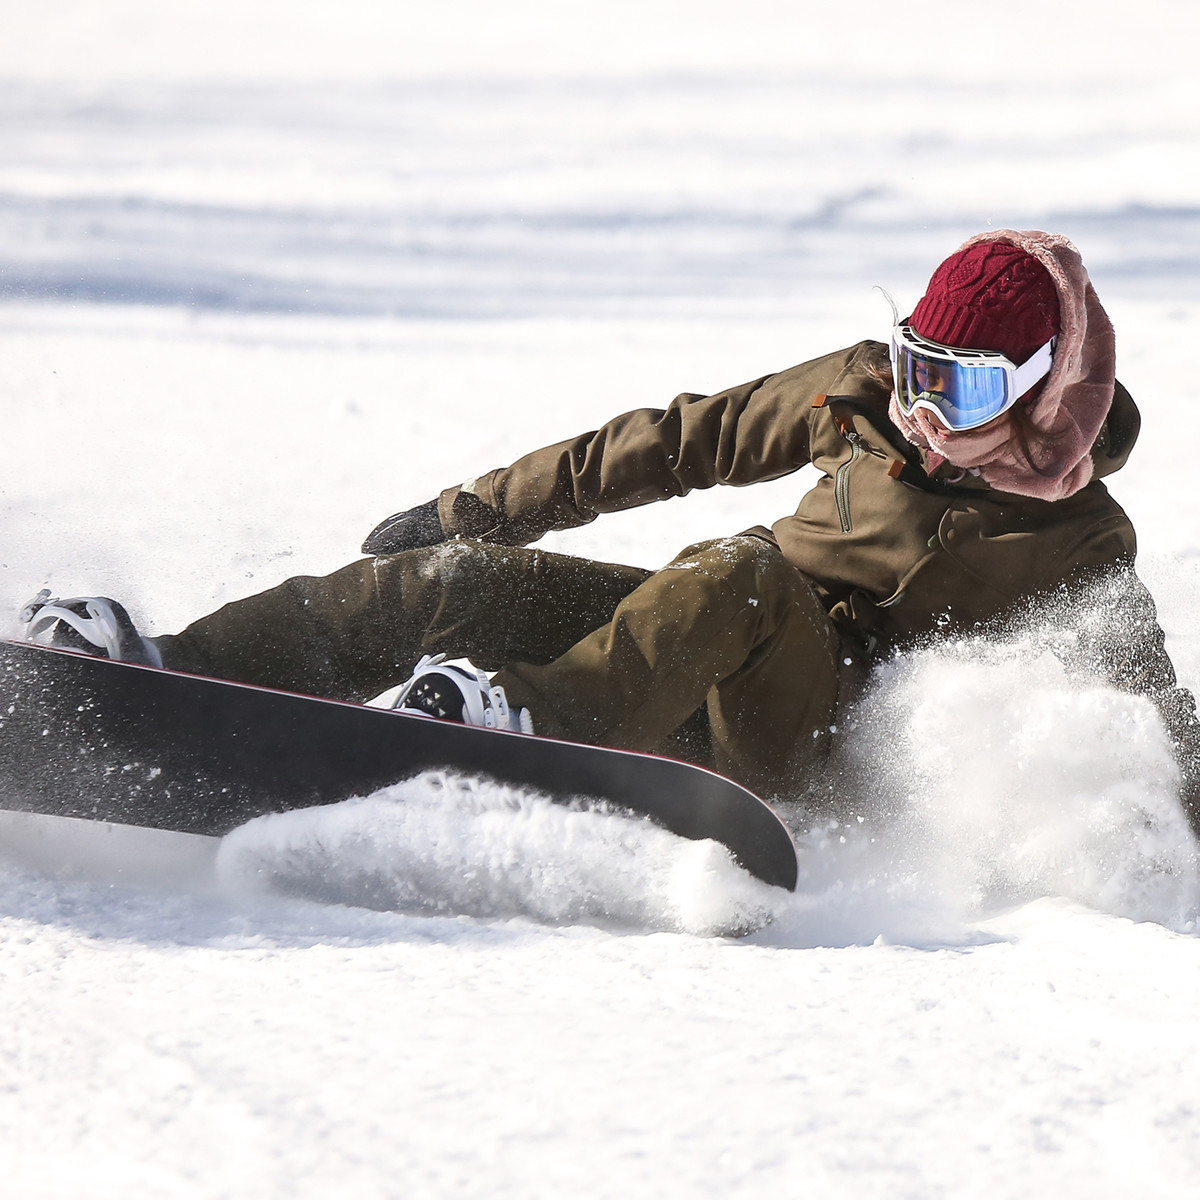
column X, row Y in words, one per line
column 990, row 296
column 1045, row 451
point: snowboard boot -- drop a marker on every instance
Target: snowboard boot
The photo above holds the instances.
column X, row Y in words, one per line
column 92, row 624
column 464, row 694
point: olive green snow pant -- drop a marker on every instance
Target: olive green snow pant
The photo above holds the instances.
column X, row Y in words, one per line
column 725, row 656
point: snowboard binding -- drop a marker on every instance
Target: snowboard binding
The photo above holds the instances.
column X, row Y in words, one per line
column 449, row 692
column 95, row 625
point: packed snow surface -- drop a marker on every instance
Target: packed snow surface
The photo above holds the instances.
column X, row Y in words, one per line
column 271, row 272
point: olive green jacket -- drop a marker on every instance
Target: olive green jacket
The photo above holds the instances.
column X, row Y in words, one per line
column 895, row 552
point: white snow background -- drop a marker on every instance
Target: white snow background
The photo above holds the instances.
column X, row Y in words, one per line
column 271, row 271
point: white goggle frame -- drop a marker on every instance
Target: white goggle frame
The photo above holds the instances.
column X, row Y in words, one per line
column 978, row 385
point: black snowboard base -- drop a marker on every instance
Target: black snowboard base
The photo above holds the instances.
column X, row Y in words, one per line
column 109, row 741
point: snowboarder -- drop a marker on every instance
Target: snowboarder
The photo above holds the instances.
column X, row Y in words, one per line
column 961, row 481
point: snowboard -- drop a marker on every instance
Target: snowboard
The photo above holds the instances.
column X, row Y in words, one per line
column 135, row 745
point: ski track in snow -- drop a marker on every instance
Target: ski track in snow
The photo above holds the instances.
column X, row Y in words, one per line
column 264, row 281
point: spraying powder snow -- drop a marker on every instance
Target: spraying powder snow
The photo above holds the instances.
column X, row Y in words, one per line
column 973, row 775
column 982, row 773
column 449, row 843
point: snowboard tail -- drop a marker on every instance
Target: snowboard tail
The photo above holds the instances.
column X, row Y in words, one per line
column 111, row 741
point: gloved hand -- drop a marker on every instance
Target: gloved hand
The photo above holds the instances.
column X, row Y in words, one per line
column 408, row 530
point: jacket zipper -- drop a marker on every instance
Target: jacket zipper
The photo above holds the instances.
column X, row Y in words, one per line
column 841, row 480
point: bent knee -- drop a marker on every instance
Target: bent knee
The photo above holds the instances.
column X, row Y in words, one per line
column 744, row 559
column 460, row 561
column 754, row 569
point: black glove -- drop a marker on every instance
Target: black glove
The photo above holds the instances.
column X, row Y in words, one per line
column 407, row 530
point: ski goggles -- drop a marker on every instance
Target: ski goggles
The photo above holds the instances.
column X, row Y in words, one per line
column 963, row 388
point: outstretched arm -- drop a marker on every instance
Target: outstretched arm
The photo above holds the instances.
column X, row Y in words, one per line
column 746, row 434
column 739, row 436
column 637, row 458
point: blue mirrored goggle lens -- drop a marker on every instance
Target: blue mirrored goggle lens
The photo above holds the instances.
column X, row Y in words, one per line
column 963, row 396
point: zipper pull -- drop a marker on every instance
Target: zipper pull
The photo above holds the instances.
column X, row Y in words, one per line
column 846, row 429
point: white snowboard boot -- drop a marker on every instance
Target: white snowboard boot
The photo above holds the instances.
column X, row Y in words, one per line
column 93, row 624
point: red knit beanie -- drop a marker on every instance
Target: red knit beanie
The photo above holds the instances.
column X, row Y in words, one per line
column 990, row 296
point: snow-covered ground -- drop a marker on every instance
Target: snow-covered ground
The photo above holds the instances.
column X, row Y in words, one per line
column 270, row 271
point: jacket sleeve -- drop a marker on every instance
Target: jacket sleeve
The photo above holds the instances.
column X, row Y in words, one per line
column 740, row 436
column 747, row 434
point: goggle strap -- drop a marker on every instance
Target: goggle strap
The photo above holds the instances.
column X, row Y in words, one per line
column 888, row 297
column 1033, row 369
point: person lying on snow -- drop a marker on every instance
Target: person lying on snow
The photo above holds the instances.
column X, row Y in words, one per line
column 961, row 470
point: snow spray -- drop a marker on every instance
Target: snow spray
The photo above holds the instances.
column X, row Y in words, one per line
column 448, row 843
column 975, row 774
column 981, row 773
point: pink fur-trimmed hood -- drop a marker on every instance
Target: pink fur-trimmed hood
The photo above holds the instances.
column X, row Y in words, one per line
column 1065, row 416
